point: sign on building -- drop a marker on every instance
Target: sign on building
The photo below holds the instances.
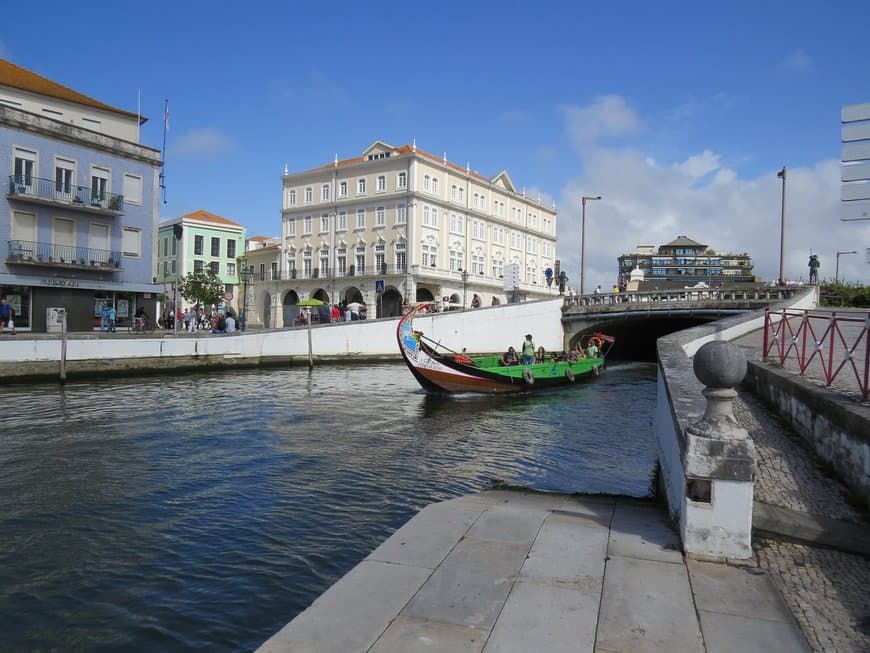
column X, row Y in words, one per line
column 855, row 171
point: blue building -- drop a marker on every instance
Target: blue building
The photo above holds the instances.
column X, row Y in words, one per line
column 78, row 207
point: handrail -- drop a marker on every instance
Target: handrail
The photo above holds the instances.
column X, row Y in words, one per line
column 34, row 253
column 821, row 337
column 682, row 295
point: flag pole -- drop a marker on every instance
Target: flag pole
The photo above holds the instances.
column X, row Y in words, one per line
column 163, row 151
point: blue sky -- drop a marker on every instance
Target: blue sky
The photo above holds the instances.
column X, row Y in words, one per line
column 678, row 114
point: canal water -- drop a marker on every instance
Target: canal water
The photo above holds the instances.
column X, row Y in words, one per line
column 203, row 512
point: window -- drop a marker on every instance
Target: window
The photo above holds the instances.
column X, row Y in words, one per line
column 435, row 185
column 380, row 264
column 429, row 255
column 324, row 261
column 309, row 196
column 427, row 183
column 360, row 259
column 361, row 187
column 454, row 192
column 361, row 219
column 342, row 260
column 291, row 227
column 198, row 245
column 401, row 260
column 215, row 267
column 342, row 189
column 198, row 266
column 165, row 269
column 401, row 214
column 231, row 248
column 382, row 184
column 430, row 216
column 99, row 185
column 306, row 224
column 132, row 188
column 324, row 223
column 478, row 264
column 379, row 216
column 263, row 271
column 215, row 246
column 454, row 259
column 324, row 193
column 478, row 229
column 402, row 180
column 291, row 198
column 497, row 268
column 515, row 239
column 342, row 221
column 173, row 266
column 231, row 269
column 306, row 263
column 131, row 241
column 274, row 270
column 64, row 178
column 457, row 224
column 25, row 168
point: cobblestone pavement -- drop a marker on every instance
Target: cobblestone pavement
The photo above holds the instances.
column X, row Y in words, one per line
column 827, row 591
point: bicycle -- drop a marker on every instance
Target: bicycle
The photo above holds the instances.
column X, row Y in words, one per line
column 147, row 326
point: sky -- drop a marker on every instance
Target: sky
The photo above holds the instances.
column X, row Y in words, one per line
column 679, row 115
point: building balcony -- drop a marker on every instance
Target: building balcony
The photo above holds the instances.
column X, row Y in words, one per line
column 49, row 193
column 24, row 252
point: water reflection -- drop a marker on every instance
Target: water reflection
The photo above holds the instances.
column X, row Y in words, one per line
column 203, row 512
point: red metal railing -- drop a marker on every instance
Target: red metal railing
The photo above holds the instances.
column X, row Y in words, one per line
column 819, row 342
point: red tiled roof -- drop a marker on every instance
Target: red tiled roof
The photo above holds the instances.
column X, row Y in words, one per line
column 205, row 216
column 23, row 79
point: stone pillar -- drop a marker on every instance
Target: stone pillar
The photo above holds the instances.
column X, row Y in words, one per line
column 719, row 462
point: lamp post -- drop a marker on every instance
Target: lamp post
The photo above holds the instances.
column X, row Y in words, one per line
column 247, row 272
column 781, row 175
column 583, row 201
column 837, row 268
column 464, row 286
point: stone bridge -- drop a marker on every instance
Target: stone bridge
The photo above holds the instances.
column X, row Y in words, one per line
column 638, row 319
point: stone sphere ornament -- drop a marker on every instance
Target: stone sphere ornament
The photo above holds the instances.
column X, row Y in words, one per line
column 719, row 364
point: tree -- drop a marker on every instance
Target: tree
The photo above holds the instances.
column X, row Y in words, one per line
column 202, row 287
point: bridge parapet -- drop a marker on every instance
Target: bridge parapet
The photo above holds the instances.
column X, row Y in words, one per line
column 666, row 299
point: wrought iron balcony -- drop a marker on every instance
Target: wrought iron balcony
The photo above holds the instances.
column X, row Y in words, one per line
column 48, row 191
column 24, row 252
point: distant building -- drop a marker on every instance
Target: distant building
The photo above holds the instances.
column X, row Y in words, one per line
column 397, row 225
column 207, row 241
column 684, row 262
column 78, row 211
column 263, row 258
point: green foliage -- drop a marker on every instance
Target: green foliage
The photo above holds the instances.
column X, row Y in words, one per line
column 202, row 288
column 843, row 293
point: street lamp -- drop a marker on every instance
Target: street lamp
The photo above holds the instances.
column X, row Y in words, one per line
column 837, row 269
column 781, row 175
column 247, row 274
column 464, row 286
column 583, row 201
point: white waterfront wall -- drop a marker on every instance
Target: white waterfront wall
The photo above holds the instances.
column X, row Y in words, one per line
column 491, row 329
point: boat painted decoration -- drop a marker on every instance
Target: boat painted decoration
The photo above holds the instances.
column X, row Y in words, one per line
column 441, row 370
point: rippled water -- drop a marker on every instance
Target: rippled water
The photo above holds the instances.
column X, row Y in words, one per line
column 203, row 512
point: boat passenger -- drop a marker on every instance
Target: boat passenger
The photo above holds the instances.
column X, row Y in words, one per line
column 576, row 354
column 540, row 355
column 510, row 357
column 528, row 356
column 592, row 348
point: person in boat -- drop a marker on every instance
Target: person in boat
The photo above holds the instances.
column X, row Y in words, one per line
column 540, row 355
column 576, row 353
column 592, row 348
column 510, row 357
column 528, row 356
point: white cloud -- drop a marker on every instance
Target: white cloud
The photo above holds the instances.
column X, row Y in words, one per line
column 607, row 116
column 798, row 61
column 200, row 142
column 647, row 203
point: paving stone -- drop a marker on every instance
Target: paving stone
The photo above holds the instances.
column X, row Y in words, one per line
column 647, row 607
column 469, row 588
column 545, row 618
column 407, row 634
column 568, row 551
column 725, row 633
column 729, row 590
column 504, row 523
column 641, row 532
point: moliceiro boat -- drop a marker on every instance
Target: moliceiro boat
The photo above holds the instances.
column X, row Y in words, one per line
column 441, row 370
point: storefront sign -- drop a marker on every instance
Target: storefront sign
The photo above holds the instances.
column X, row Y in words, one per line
column 61, row 283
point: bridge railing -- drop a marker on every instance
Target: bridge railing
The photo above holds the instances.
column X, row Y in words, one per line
column 823, row 344
column 684, row 295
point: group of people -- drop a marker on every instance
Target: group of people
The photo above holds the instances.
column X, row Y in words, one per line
column 531, row 355
column 324, row 314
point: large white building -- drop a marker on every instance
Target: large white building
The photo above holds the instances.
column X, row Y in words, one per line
column 397, row 225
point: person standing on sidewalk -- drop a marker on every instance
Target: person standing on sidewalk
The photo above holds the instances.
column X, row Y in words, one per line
column 113, row 315
column 6, row 316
